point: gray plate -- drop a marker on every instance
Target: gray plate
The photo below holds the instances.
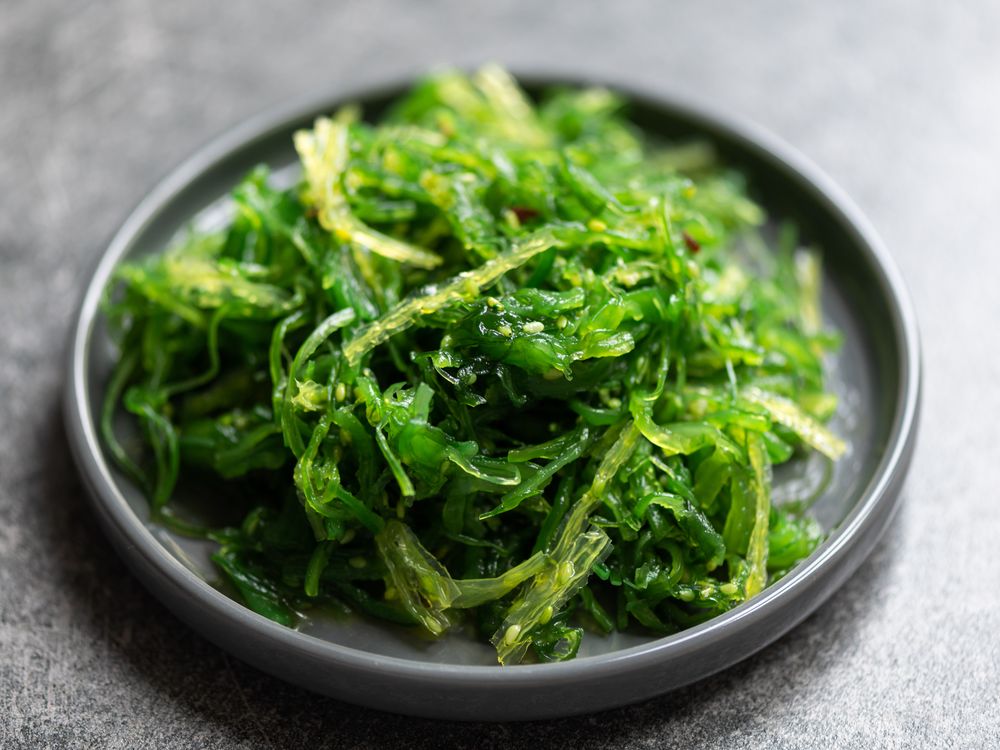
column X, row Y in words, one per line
column 877, row 375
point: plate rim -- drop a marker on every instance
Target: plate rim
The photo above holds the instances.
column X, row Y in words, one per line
column 120, row 521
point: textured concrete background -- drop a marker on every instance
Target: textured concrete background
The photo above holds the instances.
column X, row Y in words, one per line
column 900, row 102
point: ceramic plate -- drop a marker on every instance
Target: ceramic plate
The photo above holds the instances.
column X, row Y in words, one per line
column 876, row 374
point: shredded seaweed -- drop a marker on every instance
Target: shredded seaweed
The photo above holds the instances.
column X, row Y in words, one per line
column 490, row 361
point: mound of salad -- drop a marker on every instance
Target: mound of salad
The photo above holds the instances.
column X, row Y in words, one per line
column 491, row 363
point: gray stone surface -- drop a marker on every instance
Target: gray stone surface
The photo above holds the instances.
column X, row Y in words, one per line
column 897, row 100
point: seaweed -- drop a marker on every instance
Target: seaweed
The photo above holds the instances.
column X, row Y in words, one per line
column 490, row 361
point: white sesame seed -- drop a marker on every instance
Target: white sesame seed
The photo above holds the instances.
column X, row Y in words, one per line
column 511, row 635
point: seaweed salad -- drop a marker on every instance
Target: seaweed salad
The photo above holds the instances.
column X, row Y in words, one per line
column 488, row 363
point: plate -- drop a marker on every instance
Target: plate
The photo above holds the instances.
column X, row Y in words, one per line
column 876, row 374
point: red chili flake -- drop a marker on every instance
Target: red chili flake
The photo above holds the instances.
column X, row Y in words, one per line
column 524, row 213
column 691, row 242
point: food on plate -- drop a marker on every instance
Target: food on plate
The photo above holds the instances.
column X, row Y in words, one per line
column 489, row 363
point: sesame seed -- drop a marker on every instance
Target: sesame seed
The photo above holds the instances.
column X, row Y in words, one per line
column 566, row 572
column 511, row 635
